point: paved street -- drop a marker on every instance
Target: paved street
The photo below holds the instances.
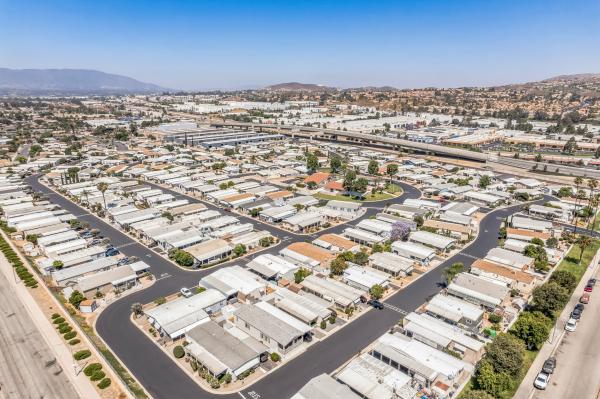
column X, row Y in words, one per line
column 577, row 373
column 155, row 370
column 28, row 368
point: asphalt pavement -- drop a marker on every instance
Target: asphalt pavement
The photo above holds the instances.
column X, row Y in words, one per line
column 155, row 370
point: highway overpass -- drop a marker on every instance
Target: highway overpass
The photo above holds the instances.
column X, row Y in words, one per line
column 376, row 141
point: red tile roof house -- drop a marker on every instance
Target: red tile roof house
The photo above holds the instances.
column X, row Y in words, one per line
column 334, row 188
column 319, row 178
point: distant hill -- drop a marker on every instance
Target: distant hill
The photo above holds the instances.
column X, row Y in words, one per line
column 295, row 86
column 69, row 81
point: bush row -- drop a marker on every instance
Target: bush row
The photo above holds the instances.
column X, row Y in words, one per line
column 17, row 264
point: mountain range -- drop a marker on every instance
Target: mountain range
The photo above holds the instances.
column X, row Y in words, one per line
column 69, row 81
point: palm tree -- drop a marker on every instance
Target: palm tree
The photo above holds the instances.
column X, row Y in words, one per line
column 578, row 182
column 102, row 187
column 583, row 242
column 87, row 201
column 593, row 202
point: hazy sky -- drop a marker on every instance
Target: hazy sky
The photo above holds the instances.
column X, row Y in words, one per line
column 232, row 44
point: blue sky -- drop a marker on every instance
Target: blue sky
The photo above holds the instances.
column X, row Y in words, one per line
column 233, row 44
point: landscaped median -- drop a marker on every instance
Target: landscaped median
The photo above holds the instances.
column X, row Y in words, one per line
column 509, row 356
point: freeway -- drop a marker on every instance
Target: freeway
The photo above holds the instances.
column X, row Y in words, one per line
column 155, row 370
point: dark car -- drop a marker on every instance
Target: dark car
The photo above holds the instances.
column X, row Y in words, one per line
column 111, row 252
column 591, row 281
column 549, row 365
column 375, row 303
column 580, row 306
column 576, row 314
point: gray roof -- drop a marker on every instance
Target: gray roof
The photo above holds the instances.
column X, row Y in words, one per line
column 324, row 387
column 228, row 349
column 269, row 325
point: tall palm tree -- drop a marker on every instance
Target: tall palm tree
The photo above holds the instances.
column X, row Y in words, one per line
column 578, row 182
column 583, row 242
column 102, row 187
column 593, row 201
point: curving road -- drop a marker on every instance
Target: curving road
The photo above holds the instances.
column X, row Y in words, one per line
column 162, row 379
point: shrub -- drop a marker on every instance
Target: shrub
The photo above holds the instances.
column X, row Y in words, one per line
column 215, row 384
column 92, row 368
column 70, row 335
column 494, row 318
column 59, row 320
column 65, row 329
column 178, row 352
column 194, row 365
column 105, row 383
column 226, row 379
column 55, row 316
column 74, row 341
column 82, row 354
column 323, row 324
column 275, row 357
column 97, row 375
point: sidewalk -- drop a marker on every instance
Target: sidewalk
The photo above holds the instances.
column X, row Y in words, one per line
column 526, row 389
column 80, row 381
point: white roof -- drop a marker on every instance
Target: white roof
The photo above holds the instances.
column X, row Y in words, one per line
column 413, row 249
column 453, row 308
column 234, row 279
column 281, row 315
column 431, row 239
column 271, row 265
column 439, row 331
column 364, row 276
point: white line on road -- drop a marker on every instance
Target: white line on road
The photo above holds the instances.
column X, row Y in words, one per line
column 395, row 309
column 242, row 395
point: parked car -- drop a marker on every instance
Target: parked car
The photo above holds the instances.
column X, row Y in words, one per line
column 111, row 252
column 591, row 281
column 585, row 298
column 186, row 292
column 580, row 306
column 541, row 381
column 123, row 261
column 571, row 325
column 549, row 365
column 576, row 314
column 375, row 303
column 588, row 288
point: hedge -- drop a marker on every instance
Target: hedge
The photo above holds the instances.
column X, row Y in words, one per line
column 105, row 383
column 83, row 354
column 92, row 368
column 70, row 335
column 97, row 375
column 17, row 263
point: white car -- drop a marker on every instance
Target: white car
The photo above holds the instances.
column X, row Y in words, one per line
column 541, row 381
column 186, row 292
column 571, row 325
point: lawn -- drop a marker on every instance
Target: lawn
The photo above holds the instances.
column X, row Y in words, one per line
column 368, row 197
column 571, row 260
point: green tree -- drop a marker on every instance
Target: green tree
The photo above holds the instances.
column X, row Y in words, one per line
column 484, row 181
column 168, row 215
column 565, row 279
column 489, row 380
column 361, row 258
column 102, row 187
column 549, row 297
column 349, row 180
column 76, row 298
column 376, row 291
column 373, row 167
column 239, row 250
column 57, row 264
column 477, row 394
column 533, row 328
column 391, row 170
column 312, row 162
column 335, row 163
column 182, row 258
column 361, row 185
column 301, row 274
column 451, row 271
column 506, row 354
column 583, row 242
column 338, row 266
